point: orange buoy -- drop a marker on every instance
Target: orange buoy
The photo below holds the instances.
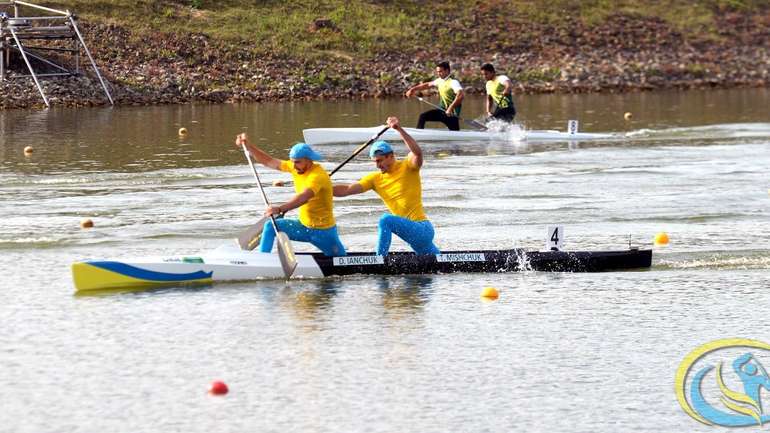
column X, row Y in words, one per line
column 86, row 223
column 278, row 182
column 490, row 293
column 28, row 150
column 628, row 115
column 661, row 238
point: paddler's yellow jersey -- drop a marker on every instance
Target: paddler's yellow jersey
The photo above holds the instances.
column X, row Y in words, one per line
column 318, row 212
column 400, row 189
column 447, row 92
column 495, row 90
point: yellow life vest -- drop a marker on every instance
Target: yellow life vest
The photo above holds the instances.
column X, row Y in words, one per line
column 447, row 95
column 495, row 90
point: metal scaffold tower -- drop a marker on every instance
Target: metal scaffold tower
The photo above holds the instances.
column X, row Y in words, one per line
column 20, row 35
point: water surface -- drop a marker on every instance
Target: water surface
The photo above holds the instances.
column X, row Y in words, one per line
column 557, row 352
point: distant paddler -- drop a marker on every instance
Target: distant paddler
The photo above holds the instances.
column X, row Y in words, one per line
column 451, row 95
column 313, row 187
column 399, row 185
column 499, row 93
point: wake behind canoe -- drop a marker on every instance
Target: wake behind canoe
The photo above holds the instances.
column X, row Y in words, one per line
column 229, row 263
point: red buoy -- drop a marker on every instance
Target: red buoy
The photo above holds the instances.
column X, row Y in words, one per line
column 218, row 388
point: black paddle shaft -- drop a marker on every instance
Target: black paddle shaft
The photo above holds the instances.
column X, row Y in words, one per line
column 359, row 150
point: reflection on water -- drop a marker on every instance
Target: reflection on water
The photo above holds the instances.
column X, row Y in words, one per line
column 406, row 295
column 136, row 139
column 310, row 300
column 144, row 291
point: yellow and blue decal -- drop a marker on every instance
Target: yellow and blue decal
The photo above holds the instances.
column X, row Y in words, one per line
column 108, row 275
column 738, row 408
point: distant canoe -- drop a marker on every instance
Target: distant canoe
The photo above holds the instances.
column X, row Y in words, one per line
column 361, row 135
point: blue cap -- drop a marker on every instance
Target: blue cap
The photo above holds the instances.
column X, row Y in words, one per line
column 381, row 147
column 303, row 150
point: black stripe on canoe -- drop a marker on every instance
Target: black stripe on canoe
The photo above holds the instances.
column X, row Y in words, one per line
column 512, row 260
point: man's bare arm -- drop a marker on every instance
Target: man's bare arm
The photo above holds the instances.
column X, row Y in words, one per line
column 259, row 155
column 346, row 190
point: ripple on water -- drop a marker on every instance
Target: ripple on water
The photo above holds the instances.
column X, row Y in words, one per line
column 717, row 260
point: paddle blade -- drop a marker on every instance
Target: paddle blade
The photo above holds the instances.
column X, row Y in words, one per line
column 249, row 238
column 475, row 124
column 286, row 254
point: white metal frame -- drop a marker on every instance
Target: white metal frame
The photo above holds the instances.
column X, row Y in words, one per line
column 70, row 24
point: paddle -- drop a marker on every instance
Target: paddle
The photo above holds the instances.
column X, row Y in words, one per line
column 285, row 251
column 249, row 239
column 360, row 149
column 472, row 123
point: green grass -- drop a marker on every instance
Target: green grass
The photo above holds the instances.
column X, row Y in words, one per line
column 367, row 27
column 535, row 75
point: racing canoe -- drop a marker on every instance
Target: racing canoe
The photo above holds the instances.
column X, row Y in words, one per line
column 359, row 135
column 230, row 263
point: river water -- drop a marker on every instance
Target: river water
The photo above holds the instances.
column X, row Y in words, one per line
column 556, row 352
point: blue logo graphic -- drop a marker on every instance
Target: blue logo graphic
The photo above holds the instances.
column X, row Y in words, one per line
column 738, row 408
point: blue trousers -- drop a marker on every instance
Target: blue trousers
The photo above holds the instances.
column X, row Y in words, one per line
column 419, row 235
column 326, row 240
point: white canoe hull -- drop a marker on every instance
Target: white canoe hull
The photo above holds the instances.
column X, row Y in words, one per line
column 360, row 135
column 226, row 263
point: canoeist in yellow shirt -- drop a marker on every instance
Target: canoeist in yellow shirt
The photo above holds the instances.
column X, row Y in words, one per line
column 313, row 188
column 451, row 95
column 499, row 89
column 399, row 185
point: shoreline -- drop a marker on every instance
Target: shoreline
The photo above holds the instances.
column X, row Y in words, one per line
column 624, row 54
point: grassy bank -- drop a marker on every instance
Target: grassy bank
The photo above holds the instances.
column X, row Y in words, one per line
column 200, row 50
column 361, row 28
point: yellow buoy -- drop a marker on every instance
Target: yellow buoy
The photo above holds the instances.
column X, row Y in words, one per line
column 182, row 131
column 490, row 293
column 661, row 238
column 278, row 182
column 86, row 223
column 28, row 150
column 628, row 115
